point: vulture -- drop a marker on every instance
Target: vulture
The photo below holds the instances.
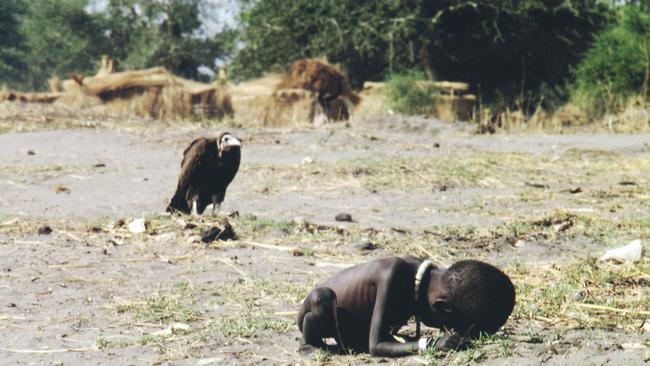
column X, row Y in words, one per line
column 208, row 167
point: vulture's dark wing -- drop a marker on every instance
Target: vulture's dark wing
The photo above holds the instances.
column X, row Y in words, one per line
column 199, row 141
column 193, row 157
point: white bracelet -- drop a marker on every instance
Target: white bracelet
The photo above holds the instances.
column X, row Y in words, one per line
column 423, row 343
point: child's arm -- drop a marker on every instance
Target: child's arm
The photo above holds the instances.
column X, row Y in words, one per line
column 380, row 341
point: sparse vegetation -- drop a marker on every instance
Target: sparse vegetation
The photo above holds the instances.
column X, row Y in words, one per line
column 406, row 96
column 163, row 295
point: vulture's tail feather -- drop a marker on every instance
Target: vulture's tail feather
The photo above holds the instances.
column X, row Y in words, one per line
column 178, row 204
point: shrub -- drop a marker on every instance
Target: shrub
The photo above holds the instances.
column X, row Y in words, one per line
column 409, row 93
column 616, row 67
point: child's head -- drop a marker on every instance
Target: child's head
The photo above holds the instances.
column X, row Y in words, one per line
column 477, row 298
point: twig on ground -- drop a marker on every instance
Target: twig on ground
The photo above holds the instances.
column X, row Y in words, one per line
column 608, row 308
column 228, row 263
column 268, row 246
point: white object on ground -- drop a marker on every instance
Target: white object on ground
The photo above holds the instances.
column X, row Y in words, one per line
column 628, row 253
column 137, row 226
column 173, row 328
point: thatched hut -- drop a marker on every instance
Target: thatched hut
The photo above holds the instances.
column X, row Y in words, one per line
column 312, row 91
column 154, row 93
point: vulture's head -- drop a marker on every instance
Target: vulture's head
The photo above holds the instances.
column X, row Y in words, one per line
column 228, row 142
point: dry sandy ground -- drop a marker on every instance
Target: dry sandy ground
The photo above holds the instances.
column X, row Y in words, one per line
column 94, row 293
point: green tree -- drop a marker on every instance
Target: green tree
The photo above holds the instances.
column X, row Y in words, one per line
column 514, row 51
column 617, row 66
column 13, row 64
column 506, row 49
column 366, row 37
column 162, row 33
column 62, row 39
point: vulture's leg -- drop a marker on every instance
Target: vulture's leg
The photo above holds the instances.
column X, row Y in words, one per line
column 194, row 211
column 216, row 205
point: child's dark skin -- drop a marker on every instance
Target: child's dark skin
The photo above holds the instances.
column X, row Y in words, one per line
column 362, row 305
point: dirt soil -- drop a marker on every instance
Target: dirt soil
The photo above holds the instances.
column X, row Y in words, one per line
column 92, row 292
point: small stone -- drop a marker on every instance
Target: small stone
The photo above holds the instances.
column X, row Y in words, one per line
column 343, row 217
column 99, row 165
column 297, row 253
column 44, row 230
column 436, row 145
column 366, row 245
column 31, row 152
column 138, row 226
column 61, row 189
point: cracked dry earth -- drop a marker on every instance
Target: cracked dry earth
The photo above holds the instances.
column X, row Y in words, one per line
column 91, row 292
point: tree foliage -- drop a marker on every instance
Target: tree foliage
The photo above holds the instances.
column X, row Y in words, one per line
column 62, row 39
column 12, row 43
column 367, row 37
column 617, row 67
column 506, row 48
column 512, row 49
column 162, row 33
column 66, row 36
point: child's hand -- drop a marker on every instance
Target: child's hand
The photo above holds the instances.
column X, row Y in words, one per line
column 450, row 342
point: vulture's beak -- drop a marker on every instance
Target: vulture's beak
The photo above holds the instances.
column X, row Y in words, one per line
column 232, row 141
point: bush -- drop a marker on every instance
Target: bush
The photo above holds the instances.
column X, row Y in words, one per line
column 409, row 93
column 616, row 67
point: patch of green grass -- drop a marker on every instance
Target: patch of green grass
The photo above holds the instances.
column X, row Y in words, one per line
column 610, row 292
column 101, row 343
column 251, row 324
column 322, row 356
column 176, row 305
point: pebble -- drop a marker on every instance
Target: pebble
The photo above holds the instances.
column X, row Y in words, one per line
column 44, row 230
column 366, row 245
column 346, row 217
